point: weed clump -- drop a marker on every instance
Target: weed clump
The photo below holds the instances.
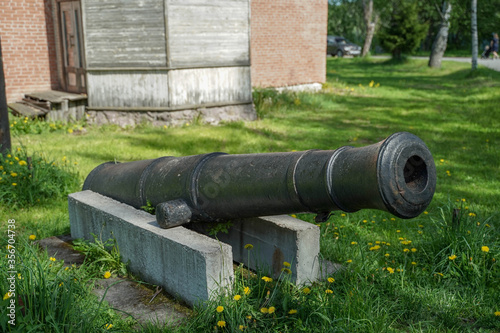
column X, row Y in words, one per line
column 29, row 179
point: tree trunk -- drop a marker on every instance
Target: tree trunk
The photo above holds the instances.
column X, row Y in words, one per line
column 370, row 26
column 474, row 33
column 4, row 113
column 440, row 43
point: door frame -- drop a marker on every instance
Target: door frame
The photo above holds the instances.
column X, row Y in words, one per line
column 81, row 73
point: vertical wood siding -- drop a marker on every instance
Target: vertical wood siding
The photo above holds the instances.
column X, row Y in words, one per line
column 127, row 42
column 120, row 33
column 210, row 85
column 208, row 32
column 128, row 89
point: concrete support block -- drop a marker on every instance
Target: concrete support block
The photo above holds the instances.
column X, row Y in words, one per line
column 186, row 264
column 275, row 239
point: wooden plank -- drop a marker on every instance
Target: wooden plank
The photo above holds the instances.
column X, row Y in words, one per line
column 210, row 85
column 208, row 32
column 55, row 96
column 128, row 89
column 121, row 33
column 23, row 109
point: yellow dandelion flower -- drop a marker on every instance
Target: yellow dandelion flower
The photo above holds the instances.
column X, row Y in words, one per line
column 13, row 174
column 249, row 317
column 271, row 309
column 306, row 290
column 294, row 216
column 220, row 323
column 452, row 257
column 349, row 261
column 354, row 243
column 286, row 270
column 22, row 163
column 52, row 259
column 264, row 310
column 485, row 249
column 292, row 311
column 413, row 250
column 7, row 296
column 66, row 268
column 497, row 313
column 387, row 254
column 249, row 246
column 242, row 328
column 220, row 308
column 331, row 280
column 246, row 290
column 32, row 237
column 390, row 270
column 70, row 130
column 108, row 326
column 107, row 275
column 406, row 250
column 237, row 297
column 413, row 263
column 286, row 264
column 267, row 279
column 329, row 291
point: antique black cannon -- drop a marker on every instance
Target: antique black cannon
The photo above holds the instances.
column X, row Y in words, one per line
column 397, row 175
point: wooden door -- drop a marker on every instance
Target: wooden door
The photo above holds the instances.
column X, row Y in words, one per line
column 72, row 44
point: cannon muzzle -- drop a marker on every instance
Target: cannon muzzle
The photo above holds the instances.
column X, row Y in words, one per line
column 396, row 175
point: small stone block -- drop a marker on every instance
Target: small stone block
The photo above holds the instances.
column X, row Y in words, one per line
column 274, row 240
column 186, row 264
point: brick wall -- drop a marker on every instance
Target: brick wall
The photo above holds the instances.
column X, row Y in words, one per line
column 28, row 47
column 288, row 42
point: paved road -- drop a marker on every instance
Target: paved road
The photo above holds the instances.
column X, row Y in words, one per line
column 492, row 64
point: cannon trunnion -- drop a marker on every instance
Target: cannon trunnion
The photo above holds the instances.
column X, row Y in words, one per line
column 397, row 175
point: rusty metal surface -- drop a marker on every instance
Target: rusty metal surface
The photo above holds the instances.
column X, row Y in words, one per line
column 397, row 175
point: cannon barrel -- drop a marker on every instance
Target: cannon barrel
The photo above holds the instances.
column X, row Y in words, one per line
column 397, row 175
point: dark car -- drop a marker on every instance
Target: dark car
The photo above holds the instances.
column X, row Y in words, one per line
column 340, row 47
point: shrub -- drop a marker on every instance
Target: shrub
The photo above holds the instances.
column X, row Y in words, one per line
column 266, row 99
column 25, row 125
column 28, row 179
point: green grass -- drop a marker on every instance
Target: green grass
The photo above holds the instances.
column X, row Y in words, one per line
column 456, row 113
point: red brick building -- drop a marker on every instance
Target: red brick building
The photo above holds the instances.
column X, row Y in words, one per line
column 287, row 44
column 28, row 47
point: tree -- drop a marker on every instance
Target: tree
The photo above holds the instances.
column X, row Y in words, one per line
column 441, row 40
column 474, row 33
column 345, row 18
column 404, row 32
column 371, row 20
column 4, row 113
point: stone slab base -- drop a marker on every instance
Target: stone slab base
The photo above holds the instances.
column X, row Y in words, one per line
column 307, row 87
column 208, row 115
column 267, row 242
column 188, row 265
